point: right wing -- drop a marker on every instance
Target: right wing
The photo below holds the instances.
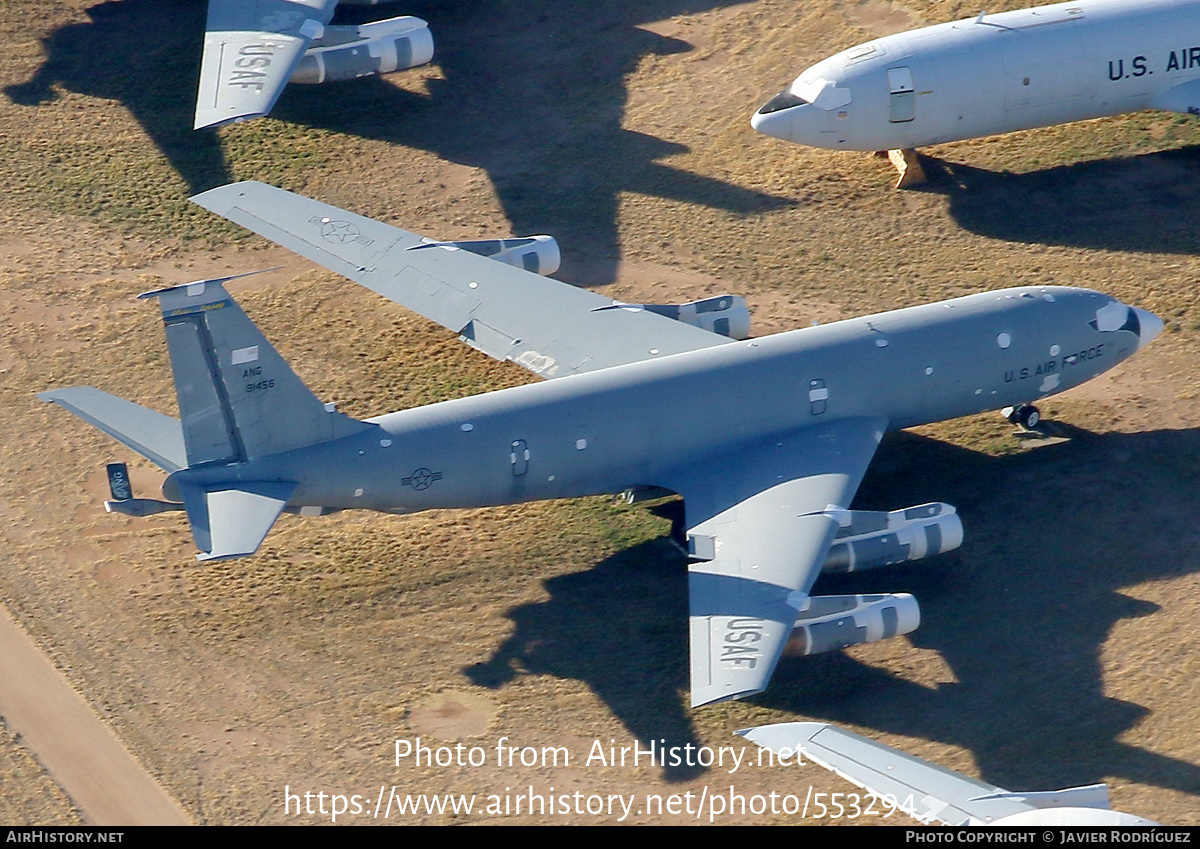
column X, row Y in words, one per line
column 551, row 328
column 760, row 522
column 251, row 49
column 929, row 792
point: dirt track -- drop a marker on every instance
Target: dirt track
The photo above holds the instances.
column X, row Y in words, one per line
column 79, row 750
column 1057, row 646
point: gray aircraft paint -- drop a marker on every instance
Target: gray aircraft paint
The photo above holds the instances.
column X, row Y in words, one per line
column 766, row 439
column 634, row 425
column 996, row 73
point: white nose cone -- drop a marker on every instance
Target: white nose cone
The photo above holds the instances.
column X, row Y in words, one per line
column 1149, row 326
column 776, row 116
column 777, row 124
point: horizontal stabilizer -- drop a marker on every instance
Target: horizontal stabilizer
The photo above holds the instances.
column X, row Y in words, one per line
column 232, row 522
column 156, row 437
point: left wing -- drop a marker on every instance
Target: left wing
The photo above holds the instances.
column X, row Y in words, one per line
column 760, row 521
column 251, row 48
column 552, row 328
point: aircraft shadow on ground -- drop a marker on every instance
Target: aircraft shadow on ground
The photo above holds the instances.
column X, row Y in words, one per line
column 1144, row 203
column 533, row 93
column 1020, row 614
column 621, row 628
column 144, row 54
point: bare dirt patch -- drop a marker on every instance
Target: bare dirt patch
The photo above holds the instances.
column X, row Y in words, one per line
column 453, row 715
column 878, row 17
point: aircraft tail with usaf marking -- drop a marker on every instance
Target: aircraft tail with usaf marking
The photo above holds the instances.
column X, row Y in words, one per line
column 238, row 400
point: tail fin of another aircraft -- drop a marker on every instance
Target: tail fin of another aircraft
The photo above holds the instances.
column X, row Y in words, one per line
column 238, row 399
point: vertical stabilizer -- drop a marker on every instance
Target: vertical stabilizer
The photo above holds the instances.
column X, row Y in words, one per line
column 237, row 397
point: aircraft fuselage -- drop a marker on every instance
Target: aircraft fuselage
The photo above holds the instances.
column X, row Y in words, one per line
column 995, row 74
column 636, row 425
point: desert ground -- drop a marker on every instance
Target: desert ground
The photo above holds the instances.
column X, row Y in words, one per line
column 1059, row 645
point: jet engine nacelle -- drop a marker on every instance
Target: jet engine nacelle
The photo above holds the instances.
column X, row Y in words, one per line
column 725, row 315
column 348, row 52
column 539, row 254
column 868, row 540
column 832, row 622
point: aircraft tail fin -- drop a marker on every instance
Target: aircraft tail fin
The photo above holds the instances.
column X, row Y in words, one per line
column 156, row 437
column 238, row 399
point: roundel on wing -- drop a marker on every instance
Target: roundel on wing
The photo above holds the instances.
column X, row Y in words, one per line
column 339, row 232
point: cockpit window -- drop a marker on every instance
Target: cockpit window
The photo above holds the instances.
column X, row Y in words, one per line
column 1132, row 324
column 784, row 100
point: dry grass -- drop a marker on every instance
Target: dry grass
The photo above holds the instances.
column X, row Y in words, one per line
column 1056, row 643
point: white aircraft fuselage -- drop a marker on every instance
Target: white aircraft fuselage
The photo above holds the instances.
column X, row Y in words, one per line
column 996, row 73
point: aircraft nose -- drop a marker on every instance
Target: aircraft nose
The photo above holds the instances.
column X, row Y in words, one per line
column 1149, row 326
column 776, row 117
column 776, row 124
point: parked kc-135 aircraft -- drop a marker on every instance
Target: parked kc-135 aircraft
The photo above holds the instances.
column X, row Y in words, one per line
column 995, row 74
column 897, row 781
column 253, row 48
column 766, row 439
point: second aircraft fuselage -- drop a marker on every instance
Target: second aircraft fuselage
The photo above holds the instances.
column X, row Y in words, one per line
column 634, row 425
column 995, row 74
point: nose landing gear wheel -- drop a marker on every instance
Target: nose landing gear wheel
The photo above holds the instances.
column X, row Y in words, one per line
column 1025, row 416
